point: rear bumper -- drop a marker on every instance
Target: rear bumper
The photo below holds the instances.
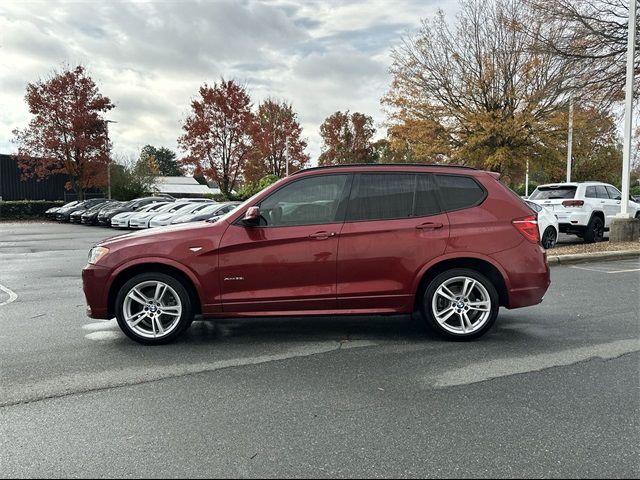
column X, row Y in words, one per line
column 528, row 274
column 95, row 286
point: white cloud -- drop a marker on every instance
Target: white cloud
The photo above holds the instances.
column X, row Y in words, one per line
column 151, row 57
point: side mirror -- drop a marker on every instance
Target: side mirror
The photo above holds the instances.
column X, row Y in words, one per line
column 252, row 217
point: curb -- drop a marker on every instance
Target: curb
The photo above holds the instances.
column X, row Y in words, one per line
column 591, row 257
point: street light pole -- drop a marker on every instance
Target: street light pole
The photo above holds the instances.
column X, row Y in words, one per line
column 628, row 111
column 570, row 140
column 106, row 132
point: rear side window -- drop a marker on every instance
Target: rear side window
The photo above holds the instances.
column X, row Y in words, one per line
column 601, row 192
column 426, row 201
column 549, row 193
column 457, row 191
column 380, row 196
column 591, row 192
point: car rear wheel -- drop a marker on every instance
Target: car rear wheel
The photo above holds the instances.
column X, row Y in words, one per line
column 595, row 230
column 460, row 304
column 549, row 237
column 153, row 308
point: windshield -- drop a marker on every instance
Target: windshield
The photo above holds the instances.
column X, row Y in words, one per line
column 549, row 193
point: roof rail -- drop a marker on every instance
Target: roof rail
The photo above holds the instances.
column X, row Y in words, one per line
column 346, row 165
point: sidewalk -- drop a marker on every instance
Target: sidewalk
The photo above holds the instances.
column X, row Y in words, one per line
column 592, row 252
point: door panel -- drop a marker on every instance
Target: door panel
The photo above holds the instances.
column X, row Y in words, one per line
column 379, row 260
column 279, row 269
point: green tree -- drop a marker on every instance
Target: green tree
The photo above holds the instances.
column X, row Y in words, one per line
column 132, row 179
column 164, row 159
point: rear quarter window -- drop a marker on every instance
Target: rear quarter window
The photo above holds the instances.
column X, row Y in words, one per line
column 458, row 191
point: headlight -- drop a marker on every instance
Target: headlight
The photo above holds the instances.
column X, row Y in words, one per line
column 96, row 254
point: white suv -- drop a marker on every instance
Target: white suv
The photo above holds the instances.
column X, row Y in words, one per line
column 584, row 208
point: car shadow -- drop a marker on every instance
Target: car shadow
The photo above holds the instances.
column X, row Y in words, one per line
column 400, row 328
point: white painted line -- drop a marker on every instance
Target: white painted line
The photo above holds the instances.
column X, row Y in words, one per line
column 102, row 325
column 83, row 382
column 12, row 295
column 603, row 269
column 103, row 336
column 624, row 271
column 505, row 367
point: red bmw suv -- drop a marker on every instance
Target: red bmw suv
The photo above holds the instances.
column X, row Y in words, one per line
column 450, row 242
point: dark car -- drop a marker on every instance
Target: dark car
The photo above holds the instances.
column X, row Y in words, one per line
column 51, row 213
column 105, row 216
column 64, row 214
column 453, row 243
column 90, row 216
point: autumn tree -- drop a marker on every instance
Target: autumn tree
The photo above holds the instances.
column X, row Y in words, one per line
column 277, row 141
column 593, row 35
column 479, row 93
column 218, row 133
column 164, row 159
column 67, row 134
column 347, row 138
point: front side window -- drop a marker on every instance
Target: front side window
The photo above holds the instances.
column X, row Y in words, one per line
column 614, row 194
column 310, row 201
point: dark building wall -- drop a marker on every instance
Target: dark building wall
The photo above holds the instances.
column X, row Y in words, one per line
column 12, row 187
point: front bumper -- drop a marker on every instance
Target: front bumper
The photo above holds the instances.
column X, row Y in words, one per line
column 95, row 286
column 138, row 224
column 120, row 223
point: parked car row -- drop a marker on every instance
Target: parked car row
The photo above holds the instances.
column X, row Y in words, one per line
column 140, row 213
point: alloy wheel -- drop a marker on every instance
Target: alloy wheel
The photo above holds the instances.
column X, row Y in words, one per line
column 152, row 309
column 461, row 305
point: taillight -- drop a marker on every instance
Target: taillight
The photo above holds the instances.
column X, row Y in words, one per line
column 528, row 227
column 573, row 203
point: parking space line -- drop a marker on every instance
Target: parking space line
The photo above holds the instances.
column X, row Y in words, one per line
column 12, row 295
column 624, row 271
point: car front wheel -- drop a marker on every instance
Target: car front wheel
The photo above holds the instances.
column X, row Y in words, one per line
column 460, row 304
column 153, row 308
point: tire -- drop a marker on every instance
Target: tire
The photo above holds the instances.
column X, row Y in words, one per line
column 157, row 312
column 446, row 319
column 549, row 237
column 595, row 230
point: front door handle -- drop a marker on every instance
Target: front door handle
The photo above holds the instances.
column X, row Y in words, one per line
column 429, row 226
column 322, row 235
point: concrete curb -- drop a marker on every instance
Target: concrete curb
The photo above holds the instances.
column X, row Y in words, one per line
column 591, row 257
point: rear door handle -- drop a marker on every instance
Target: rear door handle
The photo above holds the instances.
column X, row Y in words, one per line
column 322, row 235
column 429, row 226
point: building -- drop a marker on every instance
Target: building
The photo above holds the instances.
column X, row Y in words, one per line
column 183, row 187
column 13, row 187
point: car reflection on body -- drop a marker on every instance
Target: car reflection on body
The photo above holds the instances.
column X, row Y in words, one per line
column 217, row 210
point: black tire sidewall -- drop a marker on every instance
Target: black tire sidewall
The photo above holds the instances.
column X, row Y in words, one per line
column 187, row 309
column 555, row 235
column 589, row 234
column 432, row 286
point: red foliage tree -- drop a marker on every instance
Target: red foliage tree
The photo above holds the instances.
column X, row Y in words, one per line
column 347, row 139
column 218, row 133
column 277, row 142
column 67, row 134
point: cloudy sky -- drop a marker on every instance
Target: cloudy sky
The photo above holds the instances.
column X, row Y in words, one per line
column 150, row 57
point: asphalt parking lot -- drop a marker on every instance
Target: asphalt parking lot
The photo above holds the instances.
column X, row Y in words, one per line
column 552, row 391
